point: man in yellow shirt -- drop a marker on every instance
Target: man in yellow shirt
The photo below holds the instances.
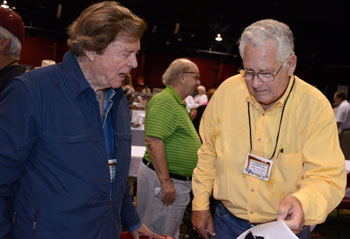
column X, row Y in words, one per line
column 270, row 145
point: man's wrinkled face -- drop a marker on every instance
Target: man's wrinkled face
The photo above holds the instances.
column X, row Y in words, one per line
column 116, row 61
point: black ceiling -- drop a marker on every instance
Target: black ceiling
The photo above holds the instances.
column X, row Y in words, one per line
column 320, row 27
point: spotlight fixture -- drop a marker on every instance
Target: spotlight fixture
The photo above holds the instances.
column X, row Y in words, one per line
column 218, row 37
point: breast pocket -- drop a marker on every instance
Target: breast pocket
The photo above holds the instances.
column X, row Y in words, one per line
column 287, row 172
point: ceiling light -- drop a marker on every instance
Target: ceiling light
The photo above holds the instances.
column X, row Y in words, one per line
column 218, row 37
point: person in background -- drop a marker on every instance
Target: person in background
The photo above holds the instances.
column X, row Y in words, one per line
column 128, row 89
column 164, row 176
column 146, row 90
column 189, row 101
column 342, row 114
column 65, row 137
column 200, row 110
column 201, row 98
column 11, row 38
column 270, row 144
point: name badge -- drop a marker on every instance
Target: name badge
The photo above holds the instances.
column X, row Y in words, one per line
column 258, row 167
column 112, row 163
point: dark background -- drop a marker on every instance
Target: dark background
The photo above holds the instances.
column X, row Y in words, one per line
column 321, row 31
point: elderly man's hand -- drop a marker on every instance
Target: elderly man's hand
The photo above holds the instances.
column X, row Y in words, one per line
column 202, row 222
column 291, row 211
column 145, row 231
column 168, row 192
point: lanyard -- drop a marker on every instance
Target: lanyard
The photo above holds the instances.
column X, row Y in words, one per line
column 279, row 127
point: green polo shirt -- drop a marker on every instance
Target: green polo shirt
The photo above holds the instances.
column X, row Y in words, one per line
column 167, row 119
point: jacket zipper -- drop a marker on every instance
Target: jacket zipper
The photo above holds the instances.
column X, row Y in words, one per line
column 35, row 223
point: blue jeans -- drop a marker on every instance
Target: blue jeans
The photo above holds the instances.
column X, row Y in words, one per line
column 227, row 226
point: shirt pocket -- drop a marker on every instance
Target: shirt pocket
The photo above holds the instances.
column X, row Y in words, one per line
column 287, row 173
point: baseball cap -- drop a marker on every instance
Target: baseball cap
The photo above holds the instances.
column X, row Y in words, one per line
column 12, row 22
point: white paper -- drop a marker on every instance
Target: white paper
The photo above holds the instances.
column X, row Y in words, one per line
column 270, row 230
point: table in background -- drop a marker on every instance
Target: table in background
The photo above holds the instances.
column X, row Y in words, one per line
column 137, row 153
column 137, row 117
column 138, row 136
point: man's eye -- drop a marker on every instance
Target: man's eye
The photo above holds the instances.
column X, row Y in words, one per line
column 265, row 73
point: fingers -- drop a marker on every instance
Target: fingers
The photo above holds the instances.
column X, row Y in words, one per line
column 291, row 211
column 168, row 198
column 203, row 223
column 144, row 230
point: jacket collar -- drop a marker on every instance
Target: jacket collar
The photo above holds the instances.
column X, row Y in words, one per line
column 74, row 77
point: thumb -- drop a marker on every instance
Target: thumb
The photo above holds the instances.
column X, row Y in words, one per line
column 210, row 227
column 282, row 213
column 211, row 230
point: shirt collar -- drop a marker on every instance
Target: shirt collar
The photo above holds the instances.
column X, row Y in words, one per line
column 175, row 95
column 279, row 103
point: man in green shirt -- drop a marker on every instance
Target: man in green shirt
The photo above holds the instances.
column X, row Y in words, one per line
column 164, row 177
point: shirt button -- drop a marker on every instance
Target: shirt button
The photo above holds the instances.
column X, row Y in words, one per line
column 259, row 139
column 252, row 190
column 263, row 114
column 251, row 212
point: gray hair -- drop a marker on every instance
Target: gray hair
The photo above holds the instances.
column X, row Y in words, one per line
column 202, row 87
column 178, row 66
column 268, row 29
column 15, row 47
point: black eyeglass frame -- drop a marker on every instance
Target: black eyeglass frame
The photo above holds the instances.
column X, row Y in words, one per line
column 242, row 72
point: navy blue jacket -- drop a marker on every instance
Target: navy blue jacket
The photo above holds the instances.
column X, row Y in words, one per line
column 54, row 175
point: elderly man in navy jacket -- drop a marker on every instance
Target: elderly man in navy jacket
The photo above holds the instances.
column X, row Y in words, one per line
column 65, row 137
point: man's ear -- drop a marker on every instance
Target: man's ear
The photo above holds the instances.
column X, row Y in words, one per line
column 5, row 44
column 91, row 55
column 182, row 78
column 292, row 64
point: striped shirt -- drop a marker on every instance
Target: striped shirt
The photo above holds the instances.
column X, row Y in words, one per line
column 167, row 119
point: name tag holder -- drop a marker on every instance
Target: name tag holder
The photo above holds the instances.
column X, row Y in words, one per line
column 112, row 164
column 258, row 167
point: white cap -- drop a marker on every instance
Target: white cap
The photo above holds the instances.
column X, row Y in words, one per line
column 47, row 62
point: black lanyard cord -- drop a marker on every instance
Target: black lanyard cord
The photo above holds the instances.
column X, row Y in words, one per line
column 279, row 127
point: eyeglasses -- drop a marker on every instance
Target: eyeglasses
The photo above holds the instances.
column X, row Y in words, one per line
column 196, row 77
column 264, row 76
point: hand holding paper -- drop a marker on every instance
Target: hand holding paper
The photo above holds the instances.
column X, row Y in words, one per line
column 291, row 212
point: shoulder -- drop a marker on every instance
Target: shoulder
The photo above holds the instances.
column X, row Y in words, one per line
column 310, row 93
column 310, row 101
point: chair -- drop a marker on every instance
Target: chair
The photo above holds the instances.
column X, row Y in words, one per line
column 344, row 140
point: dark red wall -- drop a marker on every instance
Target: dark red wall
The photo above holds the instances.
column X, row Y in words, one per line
column 152, row 64
column 35, row 49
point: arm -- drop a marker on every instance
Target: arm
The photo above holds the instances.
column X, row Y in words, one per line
column 145, row 231
column 158, row 157
column 204, row 173
column 129, row 216
column 17, row 135
column 324, row 178
column 202, row 222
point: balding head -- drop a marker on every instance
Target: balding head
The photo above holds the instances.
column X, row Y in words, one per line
column 178, row 66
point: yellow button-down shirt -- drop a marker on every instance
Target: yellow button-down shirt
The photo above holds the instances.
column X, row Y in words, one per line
column 308, row 162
